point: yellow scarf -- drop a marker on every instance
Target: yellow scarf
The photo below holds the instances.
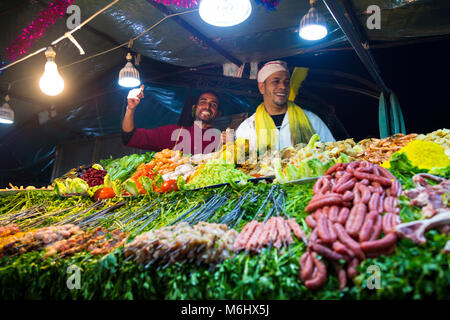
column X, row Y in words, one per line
column 298, row 76
column 266, row 133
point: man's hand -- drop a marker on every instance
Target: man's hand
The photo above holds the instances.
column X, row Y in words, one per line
column 133, row 99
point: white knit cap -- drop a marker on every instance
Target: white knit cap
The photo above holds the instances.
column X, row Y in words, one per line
column 270, row 68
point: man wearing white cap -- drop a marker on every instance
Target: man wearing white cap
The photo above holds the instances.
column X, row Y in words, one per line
column 277, row 122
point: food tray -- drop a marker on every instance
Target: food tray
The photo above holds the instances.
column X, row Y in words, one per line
column 6, row 192
column 254, row 180
column 303, row 180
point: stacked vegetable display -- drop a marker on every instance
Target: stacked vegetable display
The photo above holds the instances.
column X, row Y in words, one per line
column 215, row 172
column 308, row 163
column 122, row 168
column 178, row 246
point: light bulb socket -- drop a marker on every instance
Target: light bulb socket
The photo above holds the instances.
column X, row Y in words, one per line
column 313, row 20
column 312, row 17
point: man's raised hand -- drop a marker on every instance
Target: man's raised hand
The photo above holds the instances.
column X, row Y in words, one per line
column 134, row 97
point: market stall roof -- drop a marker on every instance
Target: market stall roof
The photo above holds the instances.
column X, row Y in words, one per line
column 266, row 35
column 170, row 48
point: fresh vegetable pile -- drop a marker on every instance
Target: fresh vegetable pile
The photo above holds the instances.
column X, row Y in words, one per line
column 307, row 163
column 441, row 137
column 215, row 172
column 144, row 176
column 271, row 274
column 241, row 241
column 94, row 177
column 423, row 155
column 122, row 168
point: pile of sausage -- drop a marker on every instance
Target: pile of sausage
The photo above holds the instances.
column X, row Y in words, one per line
column 276, row 231
column 347, row 220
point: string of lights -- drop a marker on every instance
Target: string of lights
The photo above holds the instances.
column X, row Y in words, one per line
column 222, row 13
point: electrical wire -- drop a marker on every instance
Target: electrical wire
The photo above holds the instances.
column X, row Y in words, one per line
column 100, row 53
column 23, row 59
column 67, row 34
column 132, row 39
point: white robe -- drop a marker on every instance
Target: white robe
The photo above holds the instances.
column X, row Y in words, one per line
column 247, row 130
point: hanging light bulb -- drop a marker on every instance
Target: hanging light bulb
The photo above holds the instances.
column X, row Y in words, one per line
column 313, row 25
column 6, row 113
column 129, row 75
column 225, row 13
column 51, row 82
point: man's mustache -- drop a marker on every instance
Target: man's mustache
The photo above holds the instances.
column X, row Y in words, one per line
column 205, row 109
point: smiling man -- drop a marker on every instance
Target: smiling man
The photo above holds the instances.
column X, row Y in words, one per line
column 199, row 137
column 277, row 122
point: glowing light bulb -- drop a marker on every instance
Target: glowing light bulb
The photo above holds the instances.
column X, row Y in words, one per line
column 313, row 32
column 51, row 82
column 225, row 13
column 6, row 113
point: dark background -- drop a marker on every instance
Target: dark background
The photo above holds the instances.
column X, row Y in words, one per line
column 419, row 74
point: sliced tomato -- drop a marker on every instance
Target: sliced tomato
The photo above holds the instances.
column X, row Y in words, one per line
column 141, row 170
column 141, row 167
column 139, row 186
column 169, row 186
column 104, row 193
column 148, row 168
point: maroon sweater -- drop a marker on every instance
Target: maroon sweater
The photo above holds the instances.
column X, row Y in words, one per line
column 191, row 140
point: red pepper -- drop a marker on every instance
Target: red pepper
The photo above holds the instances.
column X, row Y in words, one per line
column 169, row 186
column 104, row 193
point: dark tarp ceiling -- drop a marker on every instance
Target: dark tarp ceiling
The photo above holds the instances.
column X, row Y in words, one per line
column 92, row 103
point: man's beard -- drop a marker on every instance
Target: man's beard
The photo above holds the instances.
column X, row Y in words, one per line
column 279, row 104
